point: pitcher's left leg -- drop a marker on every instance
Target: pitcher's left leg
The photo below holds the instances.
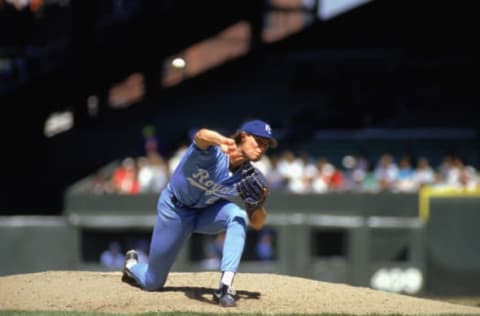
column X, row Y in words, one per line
column 233, row 220
column 228, row 217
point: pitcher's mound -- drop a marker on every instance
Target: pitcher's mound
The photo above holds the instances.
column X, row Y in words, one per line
column 258, row 293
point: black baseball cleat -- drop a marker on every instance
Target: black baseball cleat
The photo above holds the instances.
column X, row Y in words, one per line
column 225, row 296
column 131, row 257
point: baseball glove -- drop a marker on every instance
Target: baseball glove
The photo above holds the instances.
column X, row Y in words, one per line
column 253, row 188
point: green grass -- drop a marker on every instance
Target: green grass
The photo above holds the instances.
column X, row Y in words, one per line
column 468, row 301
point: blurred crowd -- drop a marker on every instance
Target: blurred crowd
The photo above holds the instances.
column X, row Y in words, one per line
column 302, row 174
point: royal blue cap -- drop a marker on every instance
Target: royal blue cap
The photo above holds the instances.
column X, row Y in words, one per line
column 261, row 129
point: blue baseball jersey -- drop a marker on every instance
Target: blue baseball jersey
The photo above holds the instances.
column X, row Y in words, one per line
column 202, row 177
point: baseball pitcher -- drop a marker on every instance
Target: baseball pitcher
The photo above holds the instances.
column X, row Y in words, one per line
column 198, row 198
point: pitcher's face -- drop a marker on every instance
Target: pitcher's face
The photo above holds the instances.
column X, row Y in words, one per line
column 253, row 147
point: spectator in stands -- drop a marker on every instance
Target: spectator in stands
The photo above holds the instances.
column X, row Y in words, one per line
column 328, row 177
column 152, row 173
column 299, row 175
column 124, row 177
column 150, row 140
column 291, row 168
column 468, row 178
column 404, row 181
column 355, row 172
column 337, row 181
column 370, row 183
column 310, row 170
column 423, row 173
column 264, row 164
column 264, row 247
column 446, row 170
column 454, row 173
column 112, row 257
column 275, row 179
column 100, row 184
column 175, row 158
column 386, row 171
column 321, row 180
column 213, row 249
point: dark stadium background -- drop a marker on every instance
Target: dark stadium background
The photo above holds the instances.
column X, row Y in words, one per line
column 388, row 64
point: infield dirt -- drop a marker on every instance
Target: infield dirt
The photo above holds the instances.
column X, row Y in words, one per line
column 258, row 293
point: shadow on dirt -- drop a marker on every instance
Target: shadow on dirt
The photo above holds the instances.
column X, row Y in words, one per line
column 205, row 295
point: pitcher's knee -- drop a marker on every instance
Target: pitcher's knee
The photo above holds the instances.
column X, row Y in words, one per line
column 238, row 216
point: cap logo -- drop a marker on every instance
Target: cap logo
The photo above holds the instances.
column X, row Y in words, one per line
column 268, row 129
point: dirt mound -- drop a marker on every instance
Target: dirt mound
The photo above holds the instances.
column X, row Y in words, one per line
column 258, row 293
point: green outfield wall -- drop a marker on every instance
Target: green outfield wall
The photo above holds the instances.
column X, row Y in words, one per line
column 375, row 240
